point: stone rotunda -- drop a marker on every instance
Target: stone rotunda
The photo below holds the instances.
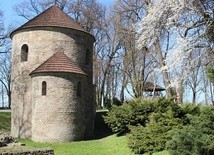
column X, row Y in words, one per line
column 53, row 96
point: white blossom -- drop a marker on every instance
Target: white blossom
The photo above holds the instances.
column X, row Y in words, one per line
column 166, row 14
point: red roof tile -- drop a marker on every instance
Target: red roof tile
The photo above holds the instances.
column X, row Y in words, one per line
column 59, row 62
column 53, row 16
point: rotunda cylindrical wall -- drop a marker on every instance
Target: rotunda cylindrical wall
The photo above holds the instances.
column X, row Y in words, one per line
column 58, row 114
column 42, row 43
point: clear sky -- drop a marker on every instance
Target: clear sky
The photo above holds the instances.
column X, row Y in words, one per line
column 10, row 16
column 7, row 7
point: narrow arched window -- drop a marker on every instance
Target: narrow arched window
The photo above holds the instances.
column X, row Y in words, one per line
column 24, row 52
column 44, row 88
column 79, row 89
column 87, row 57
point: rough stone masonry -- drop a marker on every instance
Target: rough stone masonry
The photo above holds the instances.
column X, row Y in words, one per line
column 52, row 79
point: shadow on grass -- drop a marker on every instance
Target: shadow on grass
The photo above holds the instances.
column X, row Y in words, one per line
column 101, row 128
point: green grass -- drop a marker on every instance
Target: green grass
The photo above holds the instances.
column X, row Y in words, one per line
column 5, row 121
column 111, row 145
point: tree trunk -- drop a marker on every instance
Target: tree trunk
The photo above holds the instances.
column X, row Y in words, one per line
column 162, row 64
column 193, row 97
column 180, row 92
column 144, row 51
column 2, row 95
column 9, row 99
column 123, row 88
column 211, row 93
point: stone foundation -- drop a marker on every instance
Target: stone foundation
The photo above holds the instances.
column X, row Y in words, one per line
column 9, row 146
column 27, row 152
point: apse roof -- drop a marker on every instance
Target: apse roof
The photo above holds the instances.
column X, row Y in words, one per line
column 58, row 63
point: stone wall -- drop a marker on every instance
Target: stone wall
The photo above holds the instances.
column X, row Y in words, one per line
column 27, row 152
column 42, row 44
column 59, row 115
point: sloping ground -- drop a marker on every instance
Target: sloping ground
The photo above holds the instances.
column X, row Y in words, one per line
column 110, row 145
column 5, row 120
column 104, row 144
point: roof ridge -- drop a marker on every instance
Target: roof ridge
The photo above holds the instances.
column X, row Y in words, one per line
column 35, row 17
column 52, row 17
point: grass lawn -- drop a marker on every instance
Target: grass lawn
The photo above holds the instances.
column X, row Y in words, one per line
column 110, row 145
column 106, row 144
column 5, row 120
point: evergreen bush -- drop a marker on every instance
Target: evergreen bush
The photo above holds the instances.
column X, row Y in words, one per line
column 195, row 138
column 137, row 112
column 133, row 113
column 156, row 125
column 154, row 135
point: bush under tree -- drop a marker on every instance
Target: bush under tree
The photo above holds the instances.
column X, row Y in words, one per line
column 195, row 138
column 153, row 125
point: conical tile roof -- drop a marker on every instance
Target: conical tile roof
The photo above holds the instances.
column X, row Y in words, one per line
column 58, row 63
column 53, row 17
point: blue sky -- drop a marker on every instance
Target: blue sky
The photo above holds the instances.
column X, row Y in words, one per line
column 10, row 16
column 7, row 7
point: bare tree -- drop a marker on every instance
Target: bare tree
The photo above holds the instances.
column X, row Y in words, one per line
column 5, row 63
column 133, row 59
column 111, row 51
column 34, row 7
column 5, row 75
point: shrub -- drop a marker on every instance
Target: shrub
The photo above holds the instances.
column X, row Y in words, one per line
column 151, row 124
column 167, row 116
column 149, row 139
column 137, row 112
column 189, row 109
column 154, row 136
column 130, row 114
column 195, row 138
column 184, row 141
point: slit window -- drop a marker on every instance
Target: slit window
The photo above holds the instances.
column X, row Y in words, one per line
column 79, row 89
column 24, row 53
column 44, row 88
column 87, row 57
